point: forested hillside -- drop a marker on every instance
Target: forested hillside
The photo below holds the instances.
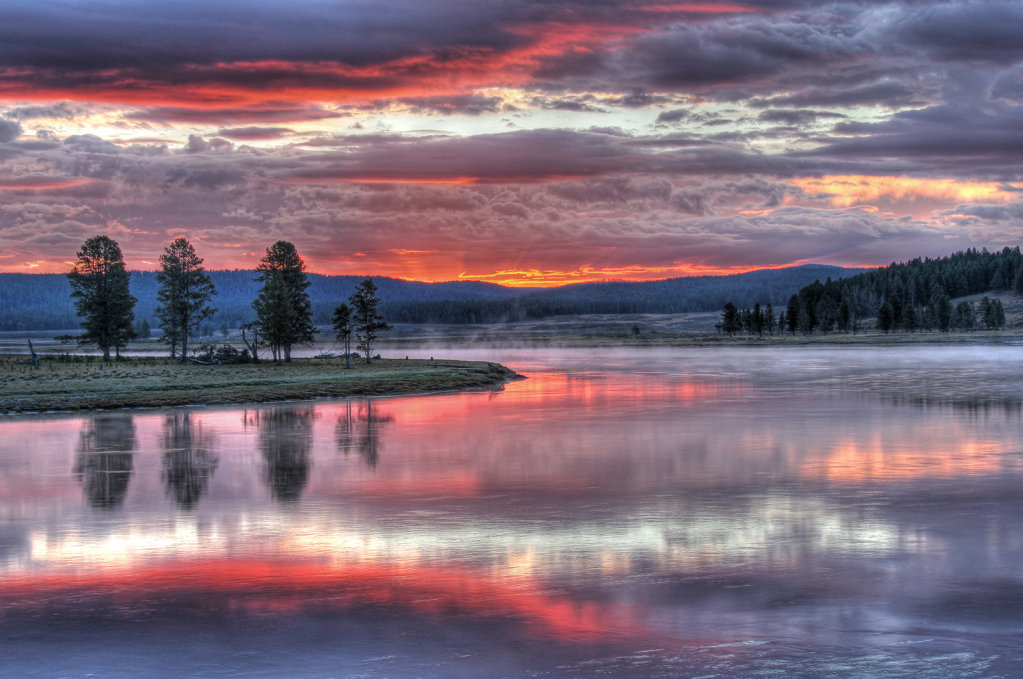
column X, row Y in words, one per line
column 912, row 295
column 674, row 295
column 43, row 301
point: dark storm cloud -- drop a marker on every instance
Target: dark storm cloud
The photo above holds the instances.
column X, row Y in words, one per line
column 673, row 116
column 965, row 31
column 238, row 64
column 9, row 130
column 465, row 104
column 51, row 34
column 510, row 157
column 953, row 139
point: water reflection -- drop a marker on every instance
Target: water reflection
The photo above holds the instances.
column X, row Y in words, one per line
column 285, row 438
column 189, row 460
column 104, row 463
column 740, row 515
column 358, row 430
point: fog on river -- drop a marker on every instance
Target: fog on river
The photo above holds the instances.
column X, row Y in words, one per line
column 707, row 512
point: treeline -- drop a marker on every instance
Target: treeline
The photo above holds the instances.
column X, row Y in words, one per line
column 907, row 296
column 42, row 301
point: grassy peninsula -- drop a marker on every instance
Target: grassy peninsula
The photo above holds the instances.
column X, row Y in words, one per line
column 87, row 383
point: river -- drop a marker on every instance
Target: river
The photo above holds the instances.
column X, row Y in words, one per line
column 796, row 512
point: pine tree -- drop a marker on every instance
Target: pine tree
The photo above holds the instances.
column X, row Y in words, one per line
column 184, row 294
column 910, row 318
column 275, row 314
column 984, row 312
column 281, row 257
column 342, row 324
column 942, row 311
column 99, row 286
column 731, row 320
column 792, row 313
column 884, row 317
column 998, row 311
column 844, row 316
column 368, row 323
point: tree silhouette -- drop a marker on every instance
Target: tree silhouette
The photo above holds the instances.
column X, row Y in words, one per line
column 341, row 321
column 189, row 460
column 99, row 286
column 285, row 439
column 368, row 323
column 275, row 314
column 360, row 432
column 184, row 294
column 282, row 259
column 104, row 463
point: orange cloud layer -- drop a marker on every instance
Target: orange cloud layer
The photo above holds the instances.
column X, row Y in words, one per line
column 851, row 190
column 268, row 83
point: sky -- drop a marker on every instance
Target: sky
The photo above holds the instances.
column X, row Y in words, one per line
column 522, row 143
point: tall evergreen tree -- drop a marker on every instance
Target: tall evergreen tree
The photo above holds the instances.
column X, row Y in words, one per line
column 368, row 323
column 342, row 324
column 792, row 313
column 731, row 320
column 844, row 316
column 99, row 286
column 885, row 320
column 942, row 311
column 281, row 257
column 275, row 314
column 184, row 294
column 910, row 318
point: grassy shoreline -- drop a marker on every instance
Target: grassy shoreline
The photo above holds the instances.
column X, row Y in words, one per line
column 87, row 383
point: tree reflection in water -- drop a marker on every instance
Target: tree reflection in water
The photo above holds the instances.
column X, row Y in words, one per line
column 359, row 431
column 285, row 439
column 104, row 464
column 188, row 459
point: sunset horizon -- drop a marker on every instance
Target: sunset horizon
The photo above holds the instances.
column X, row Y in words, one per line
column 525, row 144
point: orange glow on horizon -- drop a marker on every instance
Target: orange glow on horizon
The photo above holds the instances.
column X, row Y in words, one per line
column 511, row 278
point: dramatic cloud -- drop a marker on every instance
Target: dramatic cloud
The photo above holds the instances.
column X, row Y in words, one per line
column 512, row 140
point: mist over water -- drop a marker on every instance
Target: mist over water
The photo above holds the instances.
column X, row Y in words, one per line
column 696, row 512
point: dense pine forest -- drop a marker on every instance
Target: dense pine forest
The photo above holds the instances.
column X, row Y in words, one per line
column 908, row 296
column 43, row 302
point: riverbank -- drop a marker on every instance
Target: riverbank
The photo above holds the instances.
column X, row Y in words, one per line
column 87, row 383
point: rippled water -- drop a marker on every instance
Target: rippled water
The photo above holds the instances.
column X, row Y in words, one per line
column 682, row 513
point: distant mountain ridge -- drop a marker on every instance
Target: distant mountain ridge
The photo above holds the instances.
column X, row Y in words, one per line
column 43, row 301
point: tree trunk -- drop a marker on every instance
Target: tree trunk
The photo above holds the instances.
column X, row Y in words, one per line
column 252, row 347
column 287, row 353
column 184, row 344
column 106, row 353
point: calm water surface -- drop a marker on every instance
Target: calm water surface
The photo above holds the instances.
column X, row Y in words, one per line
column 677, row 513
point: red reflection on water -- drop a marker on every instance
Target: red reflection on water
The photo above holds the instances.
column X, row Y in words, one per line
column 276, row 586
